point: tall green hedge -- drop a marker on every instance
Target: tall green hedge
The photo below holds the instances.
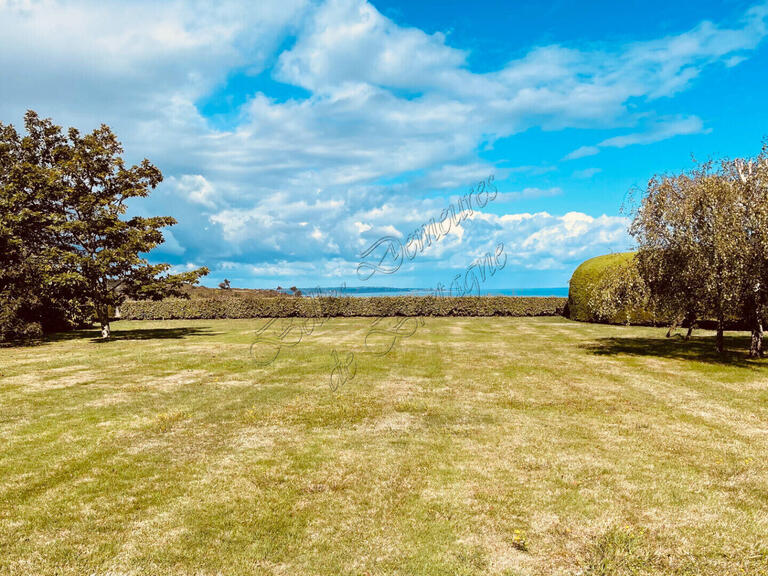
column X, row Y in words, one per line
column 584, row 281
column 210, row 308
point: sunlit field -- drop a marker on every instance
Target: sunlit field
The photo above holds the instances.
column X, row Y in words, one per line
column 475, row 446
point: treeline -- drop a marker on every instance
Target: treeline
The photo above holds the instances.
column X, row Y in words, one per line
column 67, row 255
column 702, row 239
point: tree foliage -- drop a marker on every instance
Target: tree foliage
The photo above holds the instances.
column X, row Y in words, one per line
column 68, row 251
column 621, row 295
column 702, row 239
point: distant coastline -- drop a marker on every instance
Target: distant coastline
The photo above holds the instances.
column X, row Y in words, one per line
column 370, row 291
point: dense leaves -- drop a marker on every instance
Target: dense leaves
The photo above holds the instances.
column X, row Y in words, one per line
column 593, row 295
column 702, row 239
column 621, row 296
column 68, row 253
column 281, row 307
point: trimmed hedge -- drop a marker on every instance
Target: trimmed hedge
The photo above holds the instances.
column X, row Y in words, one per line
column 210, row 308
column 584, row 281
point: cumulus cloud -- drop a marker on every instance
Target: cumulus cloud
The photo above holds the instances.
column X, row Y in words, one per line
column 561, row 241
column 195, row 188
column 391, row 115
column 350, row 42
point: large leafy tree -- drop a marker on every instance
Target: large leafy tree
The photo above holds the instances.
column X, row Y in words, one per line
column 27, row 192
column 666, row 235
column 100, row 249
column 703, row 243
column 750, row 177
column 74, row 231
column 690, row 239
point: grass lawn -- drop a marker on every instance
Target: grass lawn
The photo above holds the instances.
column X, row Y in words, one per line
column 476, row 446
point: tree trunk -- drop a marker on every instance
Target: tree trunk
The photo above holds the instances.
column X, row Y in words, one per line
column 756, row 349
column 106, row 332
column 674, row 325
column 720, row 339
column 756, row 316
column 690, row 319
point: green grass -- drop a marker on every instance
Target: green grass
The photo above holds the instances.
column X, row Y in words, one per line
column 477, row 446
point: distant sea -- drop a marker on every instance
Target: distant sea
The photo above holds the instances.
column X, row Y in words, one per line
column 368, row 291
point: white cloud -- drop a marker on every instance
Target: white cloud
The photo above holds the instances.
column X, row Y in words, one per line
column 296, row 184
column 582, row 152
column 586, row 173
column 562, row 241
column 660, row 131
column 657, row 131
column 114, row 62
column 461, row 176
column 197, row 189
column 528, row 194
column 348, row 43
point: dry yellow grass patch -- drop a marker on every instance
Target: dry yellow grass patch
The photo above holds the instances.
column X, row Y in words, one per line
column 505, row 446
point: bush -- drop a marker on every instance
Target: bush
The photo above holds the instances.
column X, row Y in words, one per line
column 280, row 307
column 17, row 320
column 594, row 274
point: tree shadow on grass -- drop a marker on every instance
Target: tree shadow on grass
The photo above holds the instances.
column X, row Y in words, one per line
column 699, row 349
column 94, row 334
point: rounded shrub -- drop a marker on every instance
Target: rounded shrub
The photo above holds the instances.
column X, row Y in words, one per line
column 585, row 280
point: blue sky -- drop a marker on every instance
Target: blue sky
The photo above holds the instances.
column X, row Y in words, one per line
column 293, row 134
